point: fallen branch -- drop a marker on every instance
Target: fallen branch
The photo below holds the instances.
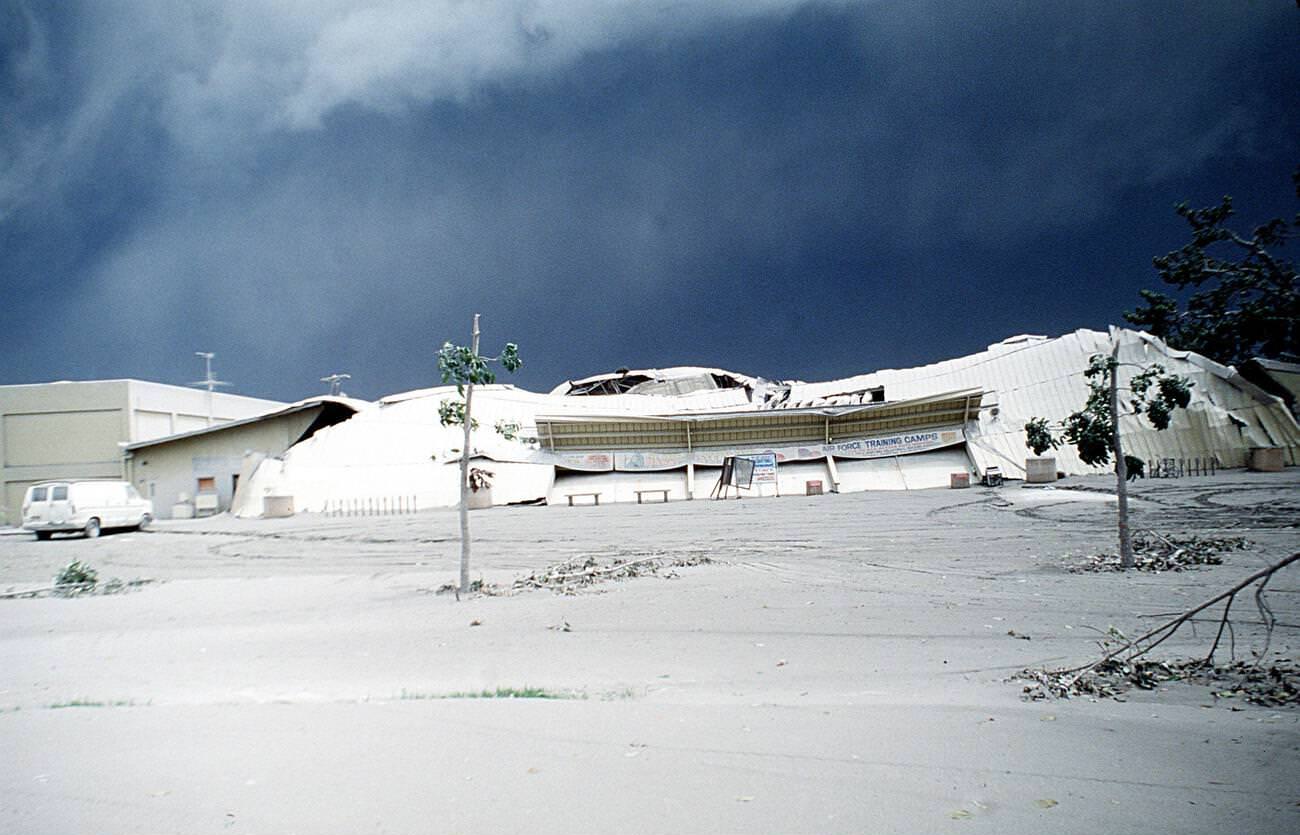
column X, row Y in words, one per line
column 86, row 589
column 582, row 571
column 1156, row 553
column 1122, row 667
column 9, row 595
column 1167, row 629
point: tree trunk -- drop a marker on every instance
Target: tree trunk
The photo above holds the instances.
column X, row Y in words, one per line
column 464, row 476
column 1121, row 468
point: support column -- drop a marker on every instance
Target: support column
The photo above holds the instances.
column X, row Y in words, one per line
column 834, row 473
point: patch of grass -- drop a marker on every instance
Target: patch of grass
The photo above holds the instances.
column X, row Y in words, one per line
column 498, row 693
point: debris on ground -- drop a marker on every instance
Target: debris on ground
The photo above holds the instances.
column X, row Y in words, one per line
column 77, row 579
column 113, row 586
column 450, row 588
column 1271, row 684
column 1155, row 553
column 580, row 572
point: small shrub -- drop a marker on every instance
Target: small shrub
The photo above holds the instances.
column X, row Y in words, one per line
column 77, row 573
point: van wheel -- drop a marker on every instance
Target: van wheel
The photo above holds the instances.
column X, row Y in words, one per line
column 42, row 536
column 92, row 529
column 145, row 521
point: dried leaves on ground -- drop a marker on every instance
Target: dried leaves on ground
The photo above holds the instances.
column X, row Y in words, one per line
column 581, row 572
column 1154, row 552
column 1274, row 683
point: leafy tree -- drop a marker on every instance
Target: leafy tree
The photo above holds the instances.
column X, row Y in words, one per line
column 1247, row 298
column 1094, row 430
column 467, row 368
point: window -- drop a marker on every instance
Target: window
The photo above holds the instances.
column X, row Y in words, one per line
column 59, row 493
column 38, row 494
column 207, row 484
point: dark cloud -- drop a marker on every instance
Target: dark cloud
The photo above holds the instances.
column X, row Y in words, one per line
column 794, row 189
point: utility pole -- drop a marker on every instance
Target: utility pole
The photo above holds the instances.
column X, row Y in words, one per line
column 208, row 380
column 336, row 381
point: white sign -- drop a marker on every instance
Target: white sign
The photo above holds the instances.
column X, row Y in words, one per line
column 881, row 446
column 588, row 461
column 764, row 468
column 888, row 446
column 641, row 461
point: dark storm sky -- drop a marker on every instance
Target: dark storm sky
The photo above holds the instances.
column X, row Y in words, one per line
column 781, row 188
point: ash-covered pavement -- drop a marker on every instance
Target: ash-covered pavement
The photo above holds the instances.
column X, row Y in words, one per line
column 839, row 666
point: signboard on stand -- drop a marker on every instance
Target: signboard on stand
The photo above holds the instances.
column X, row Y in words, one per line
column 764, row 467
column 737, row 473
column 742, row 473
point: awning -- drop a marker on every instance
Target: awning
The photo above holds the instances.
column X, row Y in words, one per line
column 766, row 427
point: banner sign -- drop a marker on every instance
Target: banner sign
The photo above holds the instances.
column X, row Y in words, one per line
column 885, row 446
column 765, row 458
column 595, row 462
column 643, row 461
column 891, row 445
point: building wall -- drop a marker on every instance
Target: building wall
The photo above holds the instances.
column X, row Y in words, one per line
column 908, row 472
column 73, row 430
column 1028, row 377
column 171, row 469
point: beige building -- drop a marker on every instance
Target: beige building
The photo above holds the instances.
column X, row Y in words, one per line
column 77, row 430
column 200, row 471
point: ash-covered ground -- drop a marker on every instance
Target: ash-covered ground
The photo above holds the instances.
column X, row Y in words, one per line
column 819, row 664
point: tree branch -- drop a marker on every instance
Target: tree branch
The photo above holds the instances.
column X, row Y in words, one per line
column 1171, row 626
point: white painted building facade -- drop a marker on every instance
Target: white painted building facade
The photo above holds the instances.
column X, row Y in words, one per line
column 75, row 430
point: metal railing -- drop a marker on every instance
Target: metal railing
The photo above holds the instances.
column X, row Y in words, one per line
column 371, row 506
column 1180, row 467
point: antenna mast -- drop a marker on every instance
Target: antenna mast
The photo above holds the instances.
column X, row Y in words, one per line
column 208, row 381
column 336, row 381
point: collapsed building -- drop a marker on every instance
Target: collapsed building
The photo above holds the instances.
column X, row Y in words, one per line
column 664, row 434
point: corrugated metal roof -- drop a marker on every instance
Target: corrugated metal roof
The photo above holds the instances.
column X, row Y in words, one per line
column 401, row 446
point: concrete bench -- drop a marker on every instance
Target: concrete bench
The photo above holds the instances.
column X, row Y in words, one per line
column 640, row 494
column 595, row 497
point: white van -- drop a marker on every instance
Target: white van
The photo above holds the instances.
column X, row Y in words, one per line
column 86, row 506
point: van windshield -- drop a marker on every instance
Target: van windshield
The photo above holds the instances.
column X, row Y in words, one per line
column 38, row 494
